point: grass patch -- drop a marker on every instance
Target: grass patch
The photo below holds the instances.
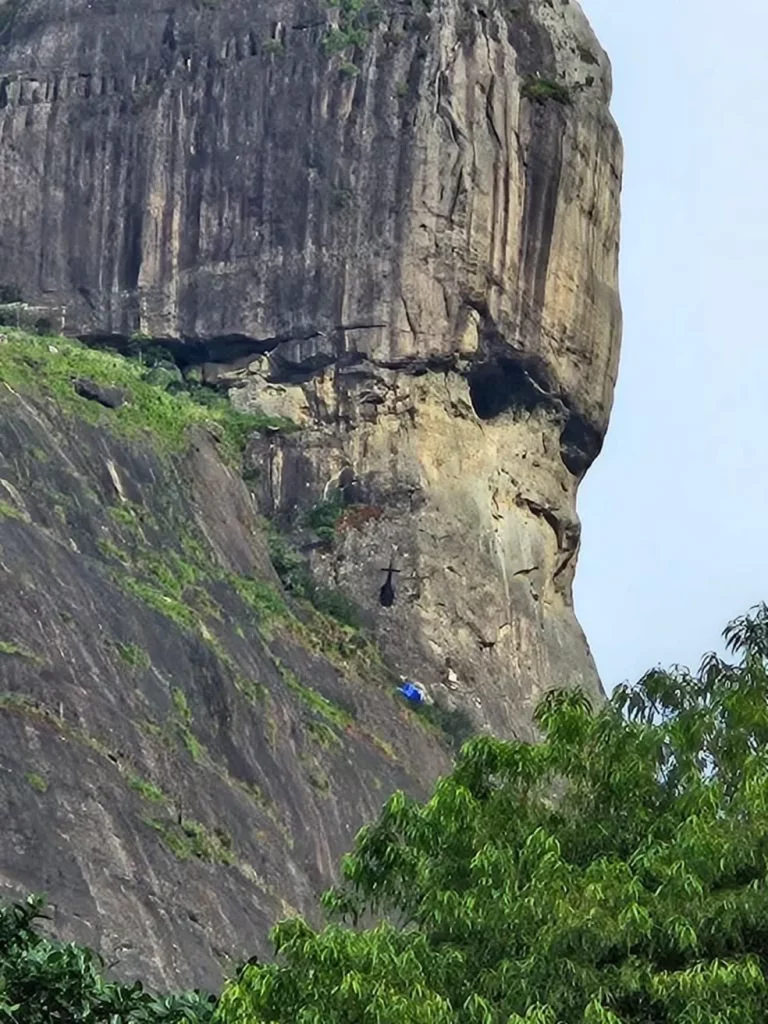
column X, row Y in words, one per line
column 296, row 577
column 186, row 839
column 386, row 748
column 161, row 602
column 192, row 745
column 542, row 89
column 37, row 782
column 166, row 582
column 181, row 705
column 133, row 655
column 344, row 646
column 25, row 705
column 48, row 366
column 191, row 838
column 147, row 789
column 322, row 734
column 175, row 586
column 14, row 650
column 127, row 514
column 8, row 511
column 256, row 693
column 313, row 700
column 262, row 598
column 324, row 517
column 181, row 720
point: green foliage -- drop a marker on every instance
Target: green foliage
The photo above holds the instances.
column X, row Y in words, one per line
column 37, row 782
column 11, row 648
column 262, row 598
column 164, row 580
column 49, row 365
column 188, row 839
column 292, row 569
column 47, row 982
column 126, row 514
column 133, row 655
column 315, row 701
column 274, row 47
column 322, row 734
column 614, row 873
column 181, row 705
column 296, row 576
column 181, row 722
column 193, row 746
column 323, row 517
column 8, row 511
column 332, row 602
column 542, row 89
column 147, row 789
column 356, row 19
column 161, row 602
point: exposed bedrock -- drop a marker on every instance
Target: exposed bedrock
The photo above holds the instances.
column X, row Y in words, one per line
column 415, row 258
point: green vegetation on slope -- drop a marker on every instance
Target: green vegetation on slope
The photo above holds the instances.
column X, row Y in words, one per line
column 45, row 982
column 639, row 895
column 296, row 577
column 179, row 575
column 542, row 89
column 36, row 365
column 355, row 20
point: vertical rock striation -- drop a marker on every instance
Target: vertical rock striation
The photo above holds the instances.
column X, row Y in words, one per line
column 414, row 255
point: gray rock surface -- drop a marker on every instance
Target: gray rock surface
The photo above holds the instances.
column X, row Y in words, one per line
column 410, row 249
column 423, row 244
column 138, row 687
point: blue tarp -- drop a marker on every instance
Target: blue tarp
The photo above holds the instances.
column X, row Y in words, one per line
column 411, row 693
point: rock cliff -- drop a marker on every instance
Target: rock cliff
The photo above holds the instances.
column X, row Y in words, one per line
column 409, row 244
column 395, row 224
column 184, row 756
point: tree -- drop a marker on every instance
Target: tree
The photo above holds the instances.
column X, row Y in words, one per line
column 48, row 982
column 617, row 871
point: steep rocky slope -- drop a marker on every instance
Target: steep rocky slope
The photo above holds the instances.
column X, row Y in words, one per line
column 399, row 229
column 183, row 758
column 408, row 244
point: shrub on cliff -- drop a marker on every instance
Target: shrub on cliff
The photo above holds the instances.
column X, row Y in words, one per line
column 638, row 894
column 47, row 982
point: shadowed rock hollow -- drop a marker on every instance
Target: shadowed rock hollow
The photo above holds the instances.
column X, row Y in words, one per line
column 408, row 246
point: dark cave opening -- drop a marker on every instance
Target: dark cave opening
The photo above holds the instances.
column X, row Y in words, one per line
column 500, row 386
column 580, row 444
column 225, row 349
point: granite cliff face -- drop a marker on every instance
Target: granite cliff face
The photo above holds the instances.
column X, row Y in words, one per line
column 399, row 229
column 414, row 255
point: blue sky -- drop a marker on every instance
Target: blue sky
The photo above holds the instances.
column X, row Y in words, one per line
column 675, row 510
